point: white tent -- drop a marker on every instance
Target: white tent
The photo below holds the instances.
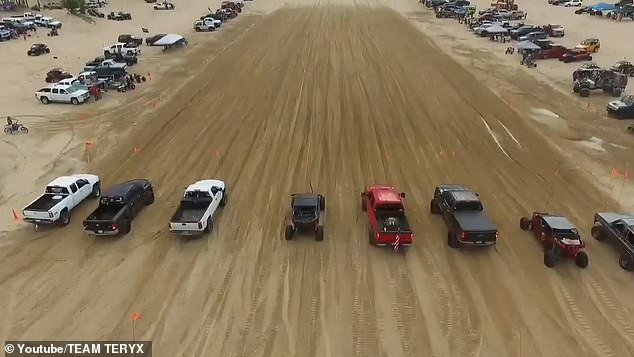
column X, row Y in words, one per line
column 496, row 29
column 169, row 40
column 527, row 45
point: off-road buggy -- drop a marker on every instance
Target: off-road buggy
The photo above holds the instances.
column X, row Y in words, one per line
column 558, row 237
column 38, row 49
column 307, row 213
column 624, row 67
column 56, row 74
column 119, row 16
column 586, row 80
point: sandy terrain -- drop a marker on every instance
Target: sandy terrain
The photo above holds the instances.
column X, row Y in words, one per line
column 331, row 97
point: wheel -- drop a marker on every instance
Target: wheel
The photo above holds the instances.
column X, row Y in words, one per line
column 575, row 88
column 433, row 207
column 210, row 226
column 322, row 203
column 525, row 223
column 197, row 29
column 550, row 257
column 589, row 58
column 452, row 241
column 363, row 207
column 616, row 92
column 319, row 233
column 288, row 233
column 7, row 130
column 225, row 197
column 584, row 92
column 125, row 227
column 28, row 53
column 581, row 259
column 212, row 29
column 64, row 218
column 74, row 101
column 371, row 238
column 626, row 262
column 48, row 50
column 44, row 100
column 96, row 191
column 24, row 130
column 598, row 233
column 149, row 198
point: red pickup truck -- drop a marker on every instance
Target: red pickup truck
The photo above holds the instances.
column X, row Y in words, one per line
column 388, row 224
column 553, row 51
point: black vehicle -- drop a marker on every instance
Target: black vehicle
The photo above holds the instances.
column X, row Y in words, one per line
column 622, row 109
column 56, row 74
column 619, row 228
column 96, row 61
column 18, row 27
column 623, row 67
column 307, row 210
column 118, row 207
column 150, row 40
column 119, row 16
column 123, row 57
column 464, row 216
column 523, row 31
column 582, row 10
column 109, row 72
column 586, row 80
column 130, row 40
column 96, row 13
column 214, row 16
column 38, row 49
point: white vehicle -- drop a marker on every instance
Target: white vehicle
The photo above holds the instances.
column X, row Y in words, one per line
column 576, row 3
column 203, row 26
column 60, row 197
column 62, row 94
column 197, row 207
column 122, row 48
column 29, row 16
column 163, row 6
column 48, row 22
column 214, row 22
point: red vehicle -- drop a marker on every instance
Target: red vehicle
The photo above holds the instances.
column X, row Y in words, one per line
column 559, row 238
column 575, row 54
column 388, row 225
column 553, row 51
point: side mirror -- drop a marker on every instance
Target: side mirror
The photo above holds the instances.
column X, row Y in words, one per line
column 477, row 194
column 402, row 195
column 362, row 194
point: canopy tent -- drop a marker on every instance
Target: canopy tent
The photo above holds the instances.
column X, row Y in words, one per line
column 527, row 45
column 496, row 29
column 603, row 6
column 169, row 40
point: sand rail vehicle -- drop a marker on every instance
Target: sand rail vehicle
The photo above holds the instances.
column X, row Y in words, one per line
column 307, row 215
column 60, row 197
column 464, row 216
column 196, row 210
column 118, row 207
column 388, row 224
column 617, row 228
column 558, row 237
column 586, row 80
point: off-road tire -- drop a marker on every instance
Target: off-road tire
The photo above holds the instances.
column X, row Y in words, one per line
column 319, row 233
column 371, row 238
column 225, row 197
column 616, row 92
column 525, row 223
column 626, row 262
column 581, row 259
column 126, row 226
column 598, row 233
column 149, row 198
column 433, row 207
column 210, row 225
column 322, row 203
column 288, row 232
column 584, row 92
column 64, row 218
column 74, row 101
column 575, row 87
column 96, row 191
column 48, row 50
column 7, row 130
column 44, row 100
column 24, row 130
column 550, row 258
column 363, row 207
column 452, row 240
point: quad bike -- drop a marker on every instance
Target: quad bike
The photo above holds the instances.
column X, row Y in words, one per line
column 528, row 62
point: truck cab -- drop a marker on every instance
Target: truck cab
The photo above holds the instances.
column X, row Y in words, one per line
column 195, row 212
column 618, row 228
column 60, row 197
column 464, row 216
column 118, row 207
column 388, row 224
column 121, row 47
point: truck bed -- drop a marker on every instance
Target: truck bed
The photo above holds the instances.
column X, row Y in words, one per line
column 474, row 221
column 188, row 215
column 103, row 214
column 401, row 223
column 606, row 219
column 45, row 202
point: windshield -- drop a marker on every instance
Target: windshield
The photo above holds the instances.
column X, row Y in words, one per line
column 468, row 206
column 628, row 99
column 566, row 233
column 72, row 89
column 304, row 211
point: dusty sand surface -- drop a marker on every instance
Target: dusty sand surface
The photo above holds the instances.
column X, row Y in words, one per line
column 333, row 97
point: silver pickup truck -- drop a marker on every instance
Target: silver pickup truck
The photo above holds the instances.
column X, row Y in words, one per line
column 60, row 197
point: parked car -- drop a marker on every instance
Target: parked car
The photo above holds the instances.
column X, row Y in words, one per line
column 575, row 3
column 118, row 207
column 622, row 109
column 554, row 30
column 591, row 45
column 197, row 207
column 38, row 49
column 574, row 55
column 121, row 47
column 204, row 26
column 48, row 22
column 62, row 94
column 56, row 74
column 553, row 51
column 60, row 197
column 5, row 34
column 130, row 40
column 163, row 6
column 535, row 35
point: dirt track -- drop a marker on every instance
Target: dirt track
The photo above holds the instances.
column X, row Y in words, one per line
column 333, row 98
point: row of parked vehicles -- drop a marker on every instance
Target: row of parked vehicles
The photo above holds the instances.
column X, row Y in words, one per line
column 210, row 22
column 460, row 208
column 615, row 11
column 14, row 26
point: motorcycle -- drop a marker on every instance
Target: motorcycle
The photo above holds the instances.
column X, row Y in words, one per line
column 15, row 129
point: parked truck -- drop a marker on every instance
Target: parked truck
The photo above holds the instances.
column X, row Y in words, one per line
column 118, row 207
column 387, row 223
column 196, row 210
column 60, row 197
column 464, row 216
column 617, row 228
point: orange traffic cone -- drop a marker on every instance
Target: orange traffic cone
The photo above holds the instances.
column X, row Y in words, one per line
column 16, row 216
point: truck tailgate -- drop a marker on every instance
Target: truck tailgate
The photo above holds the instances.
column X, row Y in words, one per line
column 186, row 227
column 36, row 215
column 101, row 227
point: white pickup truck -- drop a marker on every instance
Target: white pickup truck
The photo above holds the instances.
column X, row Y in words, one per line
column 122, row 48
column 48, row 22
column 197, row 207
column 62, row 94
column 60, row 197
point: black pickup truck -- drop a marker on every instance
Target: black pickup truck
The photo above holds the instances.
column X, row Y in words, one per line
column 464, row 216
column 118, row 207
column 618, row 228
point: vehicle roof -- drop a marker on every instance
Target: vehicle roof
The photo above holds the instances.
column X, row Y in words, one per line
column 306, row 199
column 387, row 196
column 628, row 221
column 464, row 195
column 122, row 189
column 590, row 39
column 64, row 181
column 558, row 222
column 202, row 185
